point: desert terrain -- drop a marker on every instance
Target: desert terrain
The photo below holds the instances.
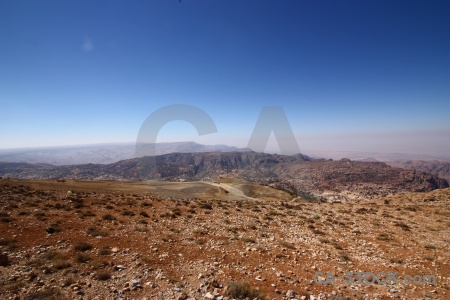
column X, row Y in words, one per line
column 298, row 174
column 221, row 239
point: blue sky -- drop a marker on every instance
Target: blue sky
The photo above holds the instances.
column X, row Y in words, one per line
column 350, row 75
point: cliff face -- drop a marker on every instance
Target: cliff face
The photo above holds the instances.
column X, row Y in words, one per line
column 296, row 173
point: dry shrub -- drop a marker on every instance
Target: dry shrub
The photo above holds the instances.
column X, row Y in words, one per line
column 82, row 257
column 243, row 290
column 82, row 246
column 103, row 275
column 105, row 250
column 4, row 261
column 48, row 293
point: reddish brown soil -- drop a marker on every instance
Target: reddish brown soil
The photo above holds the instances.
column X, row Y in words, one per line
column 189, row 246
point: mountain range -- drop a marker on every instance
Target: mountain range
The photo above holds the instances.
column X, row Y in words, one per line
column 103, row 153
column 115, row 152
column 298, row 174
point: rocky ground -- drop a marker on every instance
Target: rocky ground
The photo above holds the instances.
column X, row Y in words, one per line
column 102, row 242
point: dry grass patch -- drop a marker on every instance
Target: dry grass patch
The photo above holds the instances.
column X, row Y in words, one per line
column 384, row 237
column 103, row 275
column 249, row 240
column 94, row 232
column 47, row 293
column 82, row 246
column 243, row 290
column 108, row 217
column 403, row 226
column 10, row 243
column 82, row 257
column 105, row 250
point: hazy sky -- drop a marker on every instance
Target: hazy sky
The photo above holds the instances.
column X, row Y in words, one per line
column 350, row 75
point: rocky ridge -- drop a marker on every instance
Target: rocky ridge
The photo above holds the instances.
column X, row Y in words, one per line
column 321, row 179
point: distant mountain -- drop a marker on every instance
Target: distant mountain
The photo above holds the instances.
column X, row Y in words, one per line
column 298, row 174
column 374, row 156
column 435, row 167
column 370, row 159
column 103, row 153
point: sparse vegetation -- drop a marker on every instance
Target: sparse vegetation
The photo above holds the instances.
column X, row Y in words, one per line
column 403, row 226
column 5, row 217
column 47, row 293
column 249, row 240
column 383, row 237
column 60, row 263
column 94, row 232
column 344, row 257
column 128, row 213
column 243, row 290
column 206, row 206
column 82, row 246
column 8, row 242
column 68, row 281
column 4, row 260
column 105, row 250
column 108, row 217
column 82, row 257
column 336, row 246
column 260, row 243
column 103, row 275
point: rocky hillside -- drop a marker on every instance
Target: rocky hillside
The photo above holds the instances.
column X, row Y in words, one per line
column 333, row 180
column 435, row 167
column 345, row 179
column 100, row 242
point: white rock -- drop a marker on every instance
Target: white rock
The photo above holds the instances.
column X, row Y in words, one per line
column 209, row 296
